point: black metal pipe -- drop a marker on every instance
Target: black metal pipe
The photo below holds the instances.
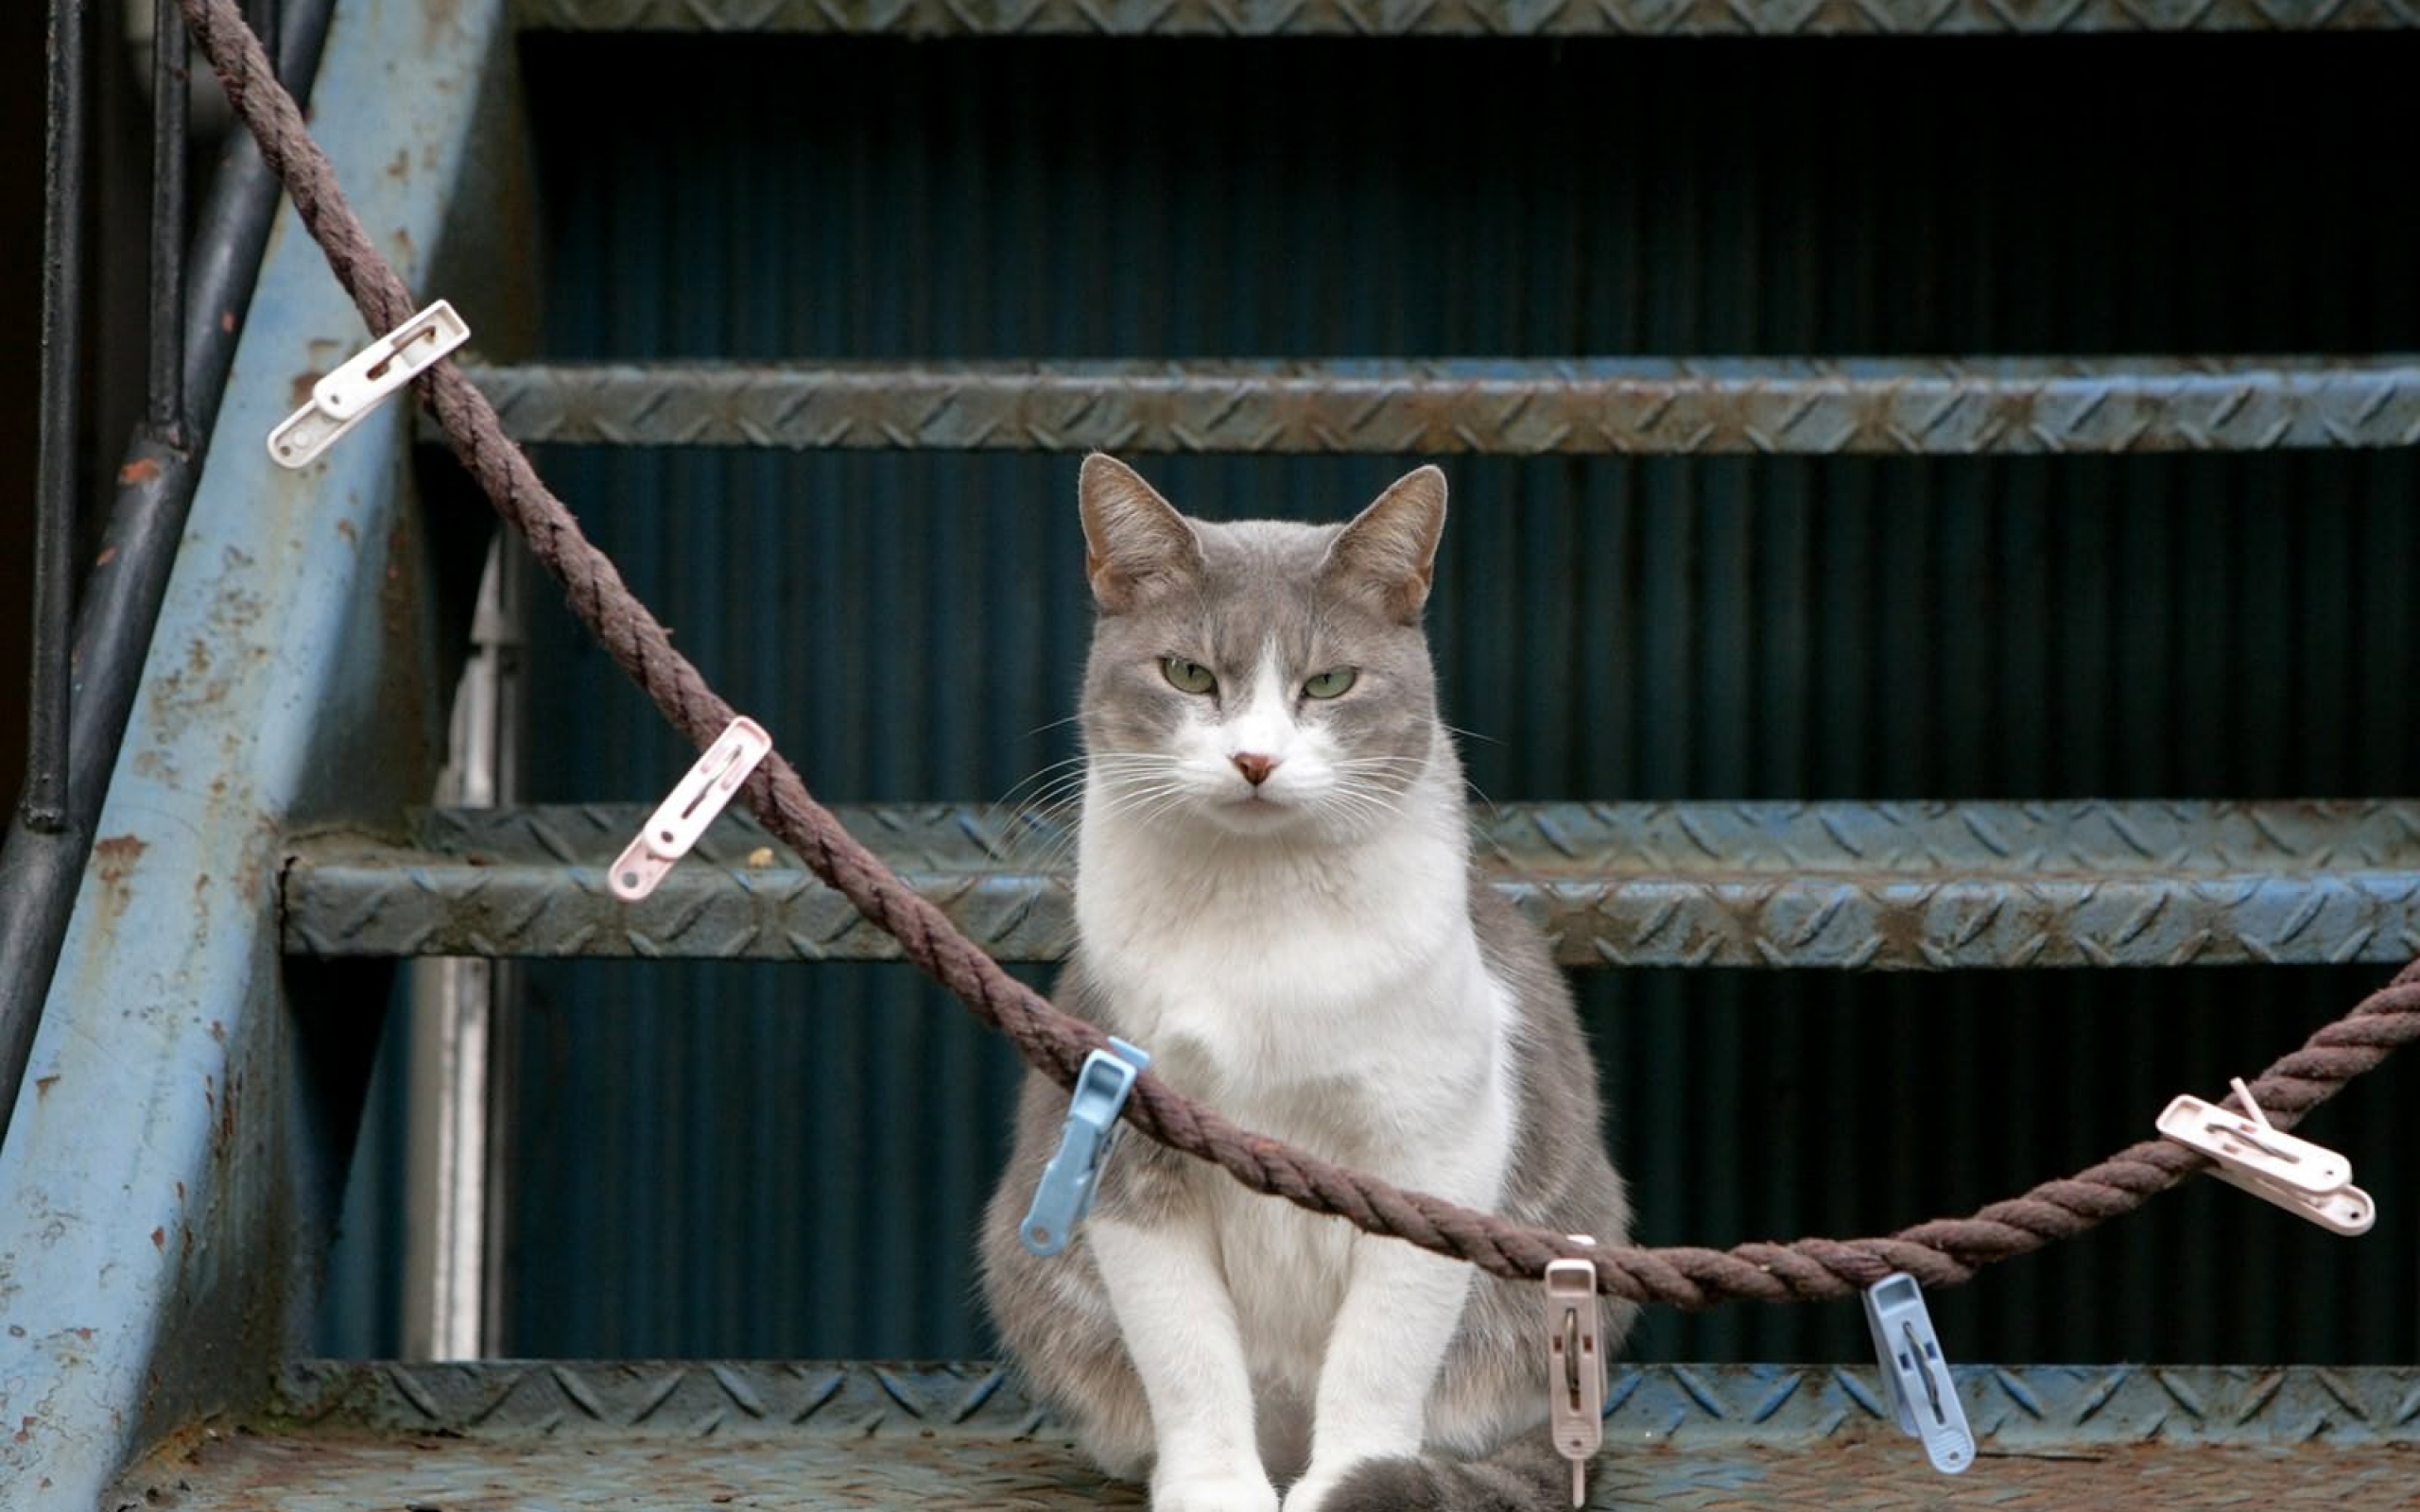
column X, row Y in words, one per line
column 40, row 871
column 44, row 807
column 263, row 15
column 170, row 51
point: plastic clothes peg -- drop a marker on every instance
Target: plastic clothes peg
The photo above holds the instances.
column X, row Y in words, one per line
column 342, row 399
column 1065, row 1193
column 1575, row 1367
column 2307, row 1181
column 680, row 819
column 1923, row 1398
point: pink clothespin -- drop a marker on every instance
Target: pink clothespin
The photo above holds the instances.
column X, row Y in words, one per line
column 679, row 820
column 2308, row 1180
column 1575, row 1367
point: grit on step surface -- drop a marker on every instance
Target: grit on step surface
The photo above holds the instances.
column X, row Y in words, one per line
column 349, row 1471
column 698, row 1437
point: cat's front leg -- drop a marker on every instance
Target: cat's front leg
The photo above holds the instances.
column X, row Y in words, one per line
column 1178, row 1323
column 1402, row 1306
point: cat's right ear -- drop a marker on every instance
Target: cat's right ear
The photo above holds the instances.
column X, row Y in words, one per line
column 1135, row 541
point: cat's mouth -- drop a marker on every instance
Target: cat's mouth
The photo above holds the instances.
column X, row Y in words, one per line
column 1255, row 807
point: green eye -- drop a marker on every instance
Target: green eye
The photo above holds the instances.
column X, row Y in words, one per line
column 1186, row 677
column 1328, row 685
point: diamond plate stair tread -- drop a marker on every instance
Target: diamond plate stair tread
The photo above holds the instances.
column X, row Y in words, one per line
column 1263, row 18
column 519, row 1436
column 1912, row 885
column 1515, row 407
column 281, row 1472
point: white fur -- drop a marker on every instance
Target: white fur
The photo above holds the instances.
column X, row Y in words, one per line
column 1308, row 967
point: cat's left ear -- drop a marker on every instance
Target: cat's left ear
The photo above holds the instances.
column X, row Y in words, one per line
column 1389, row 553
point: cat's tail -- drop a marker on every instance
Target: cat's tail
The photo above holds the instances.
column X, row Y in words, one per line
column 1526, row 1475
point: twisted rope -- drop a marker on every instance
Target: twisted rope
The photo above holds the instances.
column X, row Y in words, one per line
column 1942, row 1252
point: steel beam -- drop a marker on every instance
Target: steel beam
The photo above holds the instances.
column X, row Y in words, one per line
column 169, row 1178
column 1908, row 886
column 1519, row 407
column 1462, row 18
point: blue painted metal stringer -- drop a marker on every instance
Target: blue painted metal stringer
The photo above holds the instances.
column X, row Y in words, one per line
column 165, row 1188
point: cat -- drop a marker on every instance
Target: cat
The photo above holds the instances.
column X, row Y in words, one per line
column 1275, row 897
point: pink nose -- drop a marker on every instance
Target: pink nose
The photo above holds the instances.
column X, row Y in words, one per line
column 1254, row 768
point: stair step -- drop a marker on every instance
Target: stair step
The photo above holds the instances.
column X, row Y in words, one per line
column 1515, row 407
column 509, row 1436
column 1911, row 885
column 1553, row 18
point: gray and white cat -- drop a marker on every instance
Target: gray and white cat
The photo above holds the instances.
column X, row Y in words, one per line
column 1275, row 897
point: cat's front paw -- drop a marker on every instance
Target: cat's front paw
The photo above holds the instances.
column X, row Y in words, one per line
column 1248, row 1492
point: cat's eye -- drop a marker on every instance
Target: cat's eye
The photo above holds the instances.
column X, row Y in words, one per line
column 1186, row 677
column 1328, row 685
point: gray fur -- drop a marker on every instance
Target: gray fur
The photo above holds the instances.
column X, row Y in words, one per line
column 1328, row 595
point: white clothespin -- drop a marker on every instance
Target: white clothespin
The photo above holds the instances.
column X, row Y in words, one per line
column 340, row 400
column 676, row 822
column 1923, row 1399
column 2308, row 1180
column 1575, row 1367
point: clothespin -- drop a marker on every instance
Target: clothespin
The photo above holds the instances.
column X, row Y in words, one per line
column 676, row 822
column 1575, row 1367
column 1923, row 1398
column 2308, row 1180
column 1065, row 1193
column 340, row 400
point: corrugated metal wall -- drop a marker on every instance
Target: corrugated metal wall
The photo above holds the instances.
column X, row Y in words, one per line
column 787, row 1161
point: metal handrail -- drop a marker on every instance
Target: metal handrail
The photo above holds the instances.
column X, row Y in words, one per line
column 201, row 288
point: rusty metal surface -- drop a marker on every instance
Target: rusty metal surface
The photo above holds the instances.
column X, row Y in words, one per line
column 1513, row 407
column 1836, row 884
column 497, row 1437
column 168, row 1181
column 2013, row 1409
column 1546, row 18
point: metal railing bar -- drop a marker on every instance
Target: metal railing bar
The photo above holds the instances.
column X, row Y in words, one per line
column 66, row 126
column 170, row 87
column 263, row 17
column 40, row 871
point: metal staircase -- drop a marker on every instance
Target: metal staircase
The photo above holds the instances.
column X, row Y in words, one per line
column 176, row 1159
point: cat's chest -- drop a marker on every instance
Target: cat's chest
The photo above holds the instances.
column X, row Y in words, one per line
column 1281, row 996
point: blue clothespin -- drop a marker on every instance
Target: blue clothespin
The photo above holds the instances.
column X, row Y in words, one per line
column 1067, row 1191
column 1923, row 1397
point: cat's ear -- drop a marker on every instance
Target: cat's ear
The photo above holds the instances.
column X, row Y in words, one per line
column 1389, row 553
column 1135, row 541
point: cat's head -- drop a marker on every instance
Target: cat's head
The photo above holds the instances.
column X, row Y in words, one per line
column 1259, row 678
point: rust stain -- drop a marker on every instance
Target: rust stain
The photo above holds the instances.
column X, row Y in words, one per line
column 142, row 470
column 43, row 1084
column 159, row 1239
column 227, row 322
column 85, row 1335
column 351, row 536
column 400, row 169
column 115, row 857
column 108, row 555
column 24, row 1429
